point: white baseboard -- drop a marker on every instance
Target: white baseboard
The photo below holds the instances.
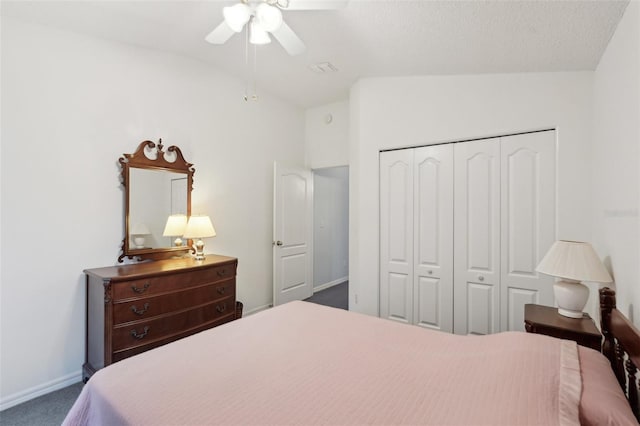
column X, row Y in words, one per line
column 330, row 284
column 36, row 391
column 256, row 310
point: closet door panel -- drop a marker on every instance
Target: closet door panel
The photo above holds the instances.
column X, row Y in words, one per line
column 477, row 236
column 396, row 235
column 399, row 298
column 433, row 241
column 480, row 309
column 528, row 222
column 427, row 298
column 480, row 211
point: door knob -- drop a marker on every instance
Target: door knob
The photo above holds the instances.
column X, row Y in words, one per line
column 278, row 243
column 480, row 277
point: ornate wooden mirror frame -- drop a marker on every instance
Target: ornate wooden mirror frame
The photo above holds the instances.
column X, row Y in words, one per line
column 151, row 157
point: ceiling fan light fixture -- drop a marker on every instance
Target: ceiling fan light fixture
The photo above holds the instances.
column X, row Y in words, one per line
column 258, row 34
column 237, row 16
column 269, row 17
column 262, row 19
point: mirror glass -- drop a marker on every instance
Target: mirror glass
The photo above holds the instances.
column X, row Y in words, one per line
column 154, row 195
column 157, row 185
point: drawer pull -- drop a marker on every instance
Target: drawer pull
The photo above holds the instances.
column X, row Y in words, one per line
column 141, row 311
column 222, row 272
column 140, row 290
column 135, row 334
column 222, row 308
column 220, row 290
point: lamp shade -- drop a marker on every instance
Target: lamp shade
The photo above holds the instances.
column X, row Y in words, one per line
column 176, row 224
column 236, row 16
column 140, row 229
column 199, row 226
column 269, row 17
column 574, row 260
column 258, row 34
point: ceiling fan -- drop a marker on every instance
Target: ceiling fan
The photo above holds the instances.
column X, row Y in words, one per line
column 264, row 18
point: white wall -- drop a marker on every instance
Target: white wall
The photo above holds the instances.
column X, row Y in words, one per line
column 330, row 226
column 327, row 143
column 616, row 160
column 410, row 111
column 71, row 106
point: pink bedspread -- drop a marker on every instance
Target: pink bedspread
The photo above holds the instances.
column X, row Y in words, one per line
column 307, row 364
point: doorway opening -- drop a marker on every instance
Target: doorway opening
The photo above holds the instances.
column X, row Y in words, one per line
column 331, row 237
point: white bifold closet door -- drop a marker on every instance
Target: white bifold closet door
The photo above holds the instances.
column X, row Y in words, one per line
column 528, row 224
column 477, row 237
column 433, row 237
column 396, row 235
column 416, row 232
column 504, row 224
column 462, row 229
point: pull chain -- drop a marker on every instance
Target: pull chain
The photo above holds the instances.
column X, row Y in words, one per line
column 254, row 97
column 246, row 62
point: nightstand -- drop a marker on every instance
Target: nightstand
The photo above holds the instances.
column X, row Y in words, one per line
column 546, row 320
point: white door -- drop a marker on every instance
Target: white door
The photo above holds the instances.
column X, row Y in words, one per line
column 433, row 237
column 477, row 237
column 396, row 235
column 528, row 222
column 292, row 233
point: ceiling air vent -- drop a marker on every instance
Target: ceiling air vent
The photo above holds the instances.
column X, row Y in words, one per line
column 323, row 67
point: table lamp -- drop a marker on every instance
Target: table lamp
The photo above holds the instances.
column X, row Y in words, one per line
column 199, row 227
column 573, row 262
column 138, row 232
column 176, row 224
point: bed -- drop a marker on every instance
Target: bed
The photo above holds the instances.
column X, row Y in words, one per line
column 302, row 363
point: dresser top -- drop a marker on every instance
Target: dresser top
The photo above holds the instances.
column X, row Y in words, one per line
column 158, row 267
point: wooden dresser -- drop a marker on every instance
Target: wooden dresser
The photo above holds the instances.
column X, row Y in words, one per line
column 134, row 308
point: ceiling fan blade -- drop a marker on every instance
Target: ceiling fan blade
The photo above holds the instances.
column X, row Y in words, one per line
column 220, row 34
column 289, row 40
column 316, row 4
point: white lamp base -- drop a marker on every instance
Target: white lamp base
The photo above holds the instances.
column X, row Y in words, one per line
column 199, row 246
column 571, row 297
column 139, row 241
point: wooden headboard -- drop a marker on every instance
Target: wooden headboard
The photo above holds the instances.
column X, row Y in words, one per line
column 621, row 346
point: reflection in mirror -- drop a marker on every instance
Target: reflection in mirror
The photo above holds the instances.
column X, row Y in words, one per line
column 157, row 186
column 154, row 196
column 175, row 227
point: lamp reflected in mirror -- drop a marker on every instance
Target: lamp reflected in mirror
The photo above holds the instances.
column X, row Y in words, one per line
column 139, row 232
column 175, row 227
column 199, row 227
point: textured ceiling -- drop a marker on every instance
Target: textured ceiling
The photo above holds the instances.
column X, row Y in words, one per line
column 364, row 39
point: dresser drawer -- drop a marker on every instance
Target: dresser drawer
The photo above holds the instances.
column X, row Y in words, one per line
column 148, row 307
column 142, row 332
column 126, row 353
column 157, row 285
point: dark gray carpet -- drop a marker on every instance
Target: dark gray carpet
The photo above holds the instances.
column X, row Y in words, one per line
column 49, row 409
column 336, row 296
